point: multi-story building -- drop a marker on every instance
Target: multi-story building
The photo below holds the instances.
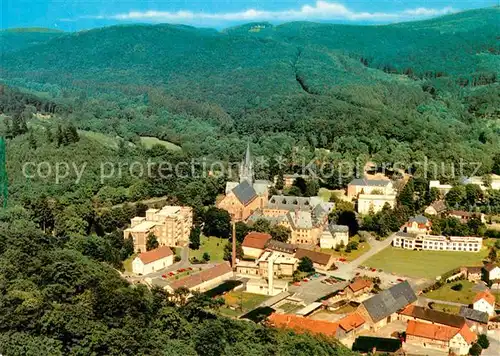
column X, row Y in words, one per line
column 418, row 225
column 369, row 186
column 373, row 203
column 334, row 235
column 283, row 265
column 437, row 243
column 171, row 225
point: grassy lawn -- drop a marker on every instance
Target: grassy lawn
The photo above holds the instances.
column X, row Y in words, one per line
column 213, row 245
column 290, row 307
column 236, row 299
column 127, row 264
column 423, row 264
column 149, row 142
column 463, row 296
column 363, row 247
column 346, row 309
column 446, row 308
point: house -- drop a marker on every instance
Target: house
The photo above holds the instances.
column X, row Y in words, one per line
column 480, row 181
column 447, row 338
column 171, row 225
column 350, row 326
column 373, row 203
column 473, row 273
column 283, row 265
column 153, row 261
column 437, row 243
column 369, row 186
column 492, row 272
column 382, row 308
column 254, row 244
column 418, row 225
column 431, row 316
column 485, row 302
column 476, row 320
column 321, row 261
column 442, row 188
column 465, row 216
column 436, row 208
column 204, row 280
column 266, row 286
column 358, row 287
column 334, row 235
column 246, row 196
column 300, row 324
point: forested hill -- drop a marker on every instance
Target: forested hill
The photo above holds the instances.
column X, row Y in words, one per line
column 388, row 93
column 19, row 38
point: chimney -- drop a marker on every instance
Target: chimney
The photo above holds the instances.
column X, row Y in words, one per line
column 233, row 259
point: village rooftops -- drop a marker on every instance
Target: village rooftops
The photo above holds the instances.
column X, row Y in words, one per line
column 359, row 284
column 155, row 255
column 203, row 276
column 351, row 322
column 301, row 325
column 439, row 332
column 256, row 240
column 319, row 258
column 434, row 316
column 390, row 301
column 291, row 203
column 279, row 246
column 370, row 182
column 474, row 315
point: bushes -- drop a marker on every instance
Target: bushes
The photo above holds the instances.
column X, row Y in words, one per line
column 483, row 341
column 475, row 350
column 457, row 287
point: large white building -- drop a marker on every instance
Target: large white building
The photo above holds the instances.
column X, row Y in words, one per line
column 368, row 203
column 153, row 261
column 334, row 235
column 437, row 243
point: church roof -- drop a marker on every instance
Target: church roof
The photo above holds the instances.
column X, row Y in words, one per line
column 244, row 192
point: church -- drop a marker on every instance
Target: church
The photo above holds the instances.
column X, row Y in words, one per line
column 244, row 197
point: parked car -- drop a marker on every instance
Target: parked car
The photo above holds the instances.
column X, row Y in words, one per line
column 296, row 284
column 163, row 276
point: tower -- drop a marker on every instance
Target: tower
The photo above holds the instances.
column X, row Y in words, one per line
column 246, row 168
column 4, row 183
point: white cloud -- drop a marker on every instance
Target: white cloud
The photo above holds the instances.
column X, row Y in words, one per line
column 321, row 10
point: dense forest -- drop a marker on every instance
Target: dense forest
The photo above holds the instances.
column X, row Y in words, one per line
column 299, row 93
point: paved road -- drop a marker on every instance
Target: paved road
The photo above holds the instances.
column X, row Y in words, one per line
column 494, row 349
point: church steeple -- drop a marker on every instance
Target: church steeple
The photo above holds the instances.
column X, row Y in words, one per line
column 246, row 169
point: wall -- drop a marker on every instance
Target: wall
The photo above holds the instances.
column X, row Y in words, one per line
column 139, row 268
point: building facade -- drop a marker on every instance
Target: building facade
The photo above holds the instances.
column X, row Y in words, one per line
column 361, row 186
column 438, row 243
column 171, row 225
column 153, row 261
column 334, row 235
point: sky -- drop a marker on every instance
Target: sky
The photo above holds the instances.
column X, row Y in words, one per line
column 74, row 15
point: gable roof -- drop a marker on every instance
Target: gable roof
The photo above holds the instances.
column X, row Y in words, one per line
column 301, row 324
column 439, row 206
column 338, row 228
column 390, row 301
column 419, row 219
column 291, row 203
column 279, row 246
column 351, row 322
column 205, row 275
column 256, row 240
column 467, row 334
column 434, row 316
column 155, row 255
column 430, row 331
column 244, row 192
column 473, row 269
column 360, row 283
column 486, row 295
column 317, row 257
column 474, row 315
column 490, row 267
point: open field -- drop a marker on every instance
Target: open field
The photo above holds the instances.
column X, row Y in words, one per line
column 149, row 142
column 423, row 264
column 213, row 245
column 237, row 299
column 363, row 248
column 100, row 137
column 452, row 309
column 463, row 296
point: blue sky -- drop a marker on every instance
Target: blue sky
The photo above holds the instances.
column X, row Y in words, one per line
column 73, row 15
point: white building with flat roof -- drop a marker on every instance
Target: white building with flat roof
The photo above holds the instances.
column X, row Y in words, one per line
column 437, row 243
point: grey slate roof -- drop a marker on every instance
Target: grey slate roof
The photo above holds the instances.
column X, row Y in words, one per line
column 300, row 219
column 370, row 182
column 436, row 316
column 283, row 202
column 474, row 315
column 338, row 228
column 244, row 192
column 390, row 301
column 420, row 219
column 281, row 246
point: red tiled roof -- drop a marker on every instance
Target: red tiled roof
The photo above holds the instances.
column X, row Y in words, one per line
column 256, row 240
column 301, row 324
column 199, row 278
column 352, row 321
column 359, row 284
column 486, row 295
column 439, row 332
column 155, row 255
